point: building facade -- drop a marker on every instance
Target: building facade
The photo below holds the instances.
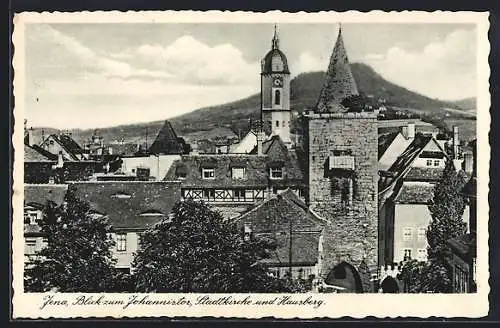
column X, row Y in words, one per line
column 275, row 92
column 341, row 150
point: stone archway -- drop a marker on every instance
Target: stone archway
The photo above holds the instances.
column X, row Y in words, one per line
column 389, row 285
column 345, row 276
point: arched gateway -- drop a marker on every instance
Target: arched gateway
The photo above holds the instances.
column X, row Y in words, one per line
column 345, row 278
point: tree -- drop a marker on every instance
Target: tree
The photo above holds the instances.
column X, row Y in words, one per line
column 78, row 256
column 196, row 250
column 359, row 103
column 446, row 208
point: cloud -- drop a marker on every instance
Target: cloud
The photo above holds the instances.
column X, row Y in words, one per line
column 192, row 61
column 82, row 59
column 444, row 69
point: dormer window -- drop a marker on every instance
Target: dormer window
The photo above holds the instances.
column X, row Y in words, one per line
column 208, row 173
column 238, row 172
column 276, row 173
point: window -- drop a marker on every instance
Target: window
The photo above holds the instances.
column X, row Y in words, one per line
column 239, row 193
column 437, row 162
column 422, row 231
column 208, row 173
column 283, row 124
column 406, row 234
column 238, row 172
column 407, row 254
column 276, row 173
column 429, row 162
column 31, row 217
column 30, row 246
column 121, row 242
column 277, row 124
column 422, row 254
column 277, row 97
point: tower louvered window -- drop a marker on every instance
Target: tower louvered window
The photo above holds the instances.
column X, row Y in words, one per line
column 277, row 97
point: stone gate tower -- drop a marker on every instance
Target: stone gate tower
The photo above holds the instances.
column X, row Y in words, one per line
column 275, row 91
column 342, row 152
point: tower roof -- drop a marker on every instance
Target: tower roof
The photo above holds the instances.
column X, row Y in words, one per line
column 167, row 141
column 339, row 82
column 275, row 60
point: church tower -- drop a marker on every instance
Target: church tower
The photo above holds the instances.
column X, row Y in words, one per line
column 275, row 92
column 342, row 156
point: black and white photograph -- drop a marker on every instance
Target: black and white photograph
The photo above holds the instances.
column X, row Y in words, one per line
column 299, row 160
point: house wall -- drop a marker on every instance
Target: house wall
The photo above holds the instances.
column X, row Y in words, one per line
column 352, row 232
column 125, row 258
column 422, row 162
column 412, row 216
column 267, row 91
column 158, row 165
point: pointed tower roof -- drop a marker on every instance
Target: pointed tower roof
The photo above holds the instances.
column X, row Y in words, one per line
column 339, row 82
column 166, row 141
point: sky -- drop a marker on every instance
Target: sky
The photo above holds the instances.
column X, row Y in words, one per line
column 98, row 75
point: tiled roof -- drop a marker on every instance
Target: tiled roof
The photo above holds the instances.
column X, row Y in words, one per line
column 339, row 82
column 124, row 202
column 277, row 213
column 256, row 170
column 167, row 142
column 33, row 155
column 68, row 144
column 304, row 249
column 39, row 194
column 424, row 174
column 415, row 193
column 273, row 219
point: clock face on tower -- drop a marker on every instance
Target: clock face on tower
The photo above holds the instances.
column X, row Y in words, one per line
column 278, row 82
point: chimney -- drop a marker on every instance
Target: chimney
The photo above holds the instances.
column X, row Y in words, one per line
column 468, row 162
column 404, row 131
column 456, row 142
column 60, row 160
column 43, row 135
column 259, row 142
column 411, row 130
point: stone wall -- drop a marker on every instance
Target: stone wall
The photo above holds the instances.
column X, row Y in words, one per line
column 352, row 232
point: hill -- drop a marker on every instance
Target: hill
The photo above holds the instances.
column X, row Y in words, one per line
column 467, row 103
column 304, row 93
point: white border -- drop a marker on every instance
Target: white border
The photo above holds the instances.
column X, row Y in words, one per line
column 26, row 305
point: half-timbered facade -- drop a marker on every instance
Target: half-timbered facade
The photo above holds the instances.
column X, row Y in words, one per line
column 234, row 182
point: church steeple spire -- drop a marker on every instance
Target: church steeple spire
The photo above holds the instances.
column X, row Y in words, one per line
column 339, row 82
column 276, row 39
